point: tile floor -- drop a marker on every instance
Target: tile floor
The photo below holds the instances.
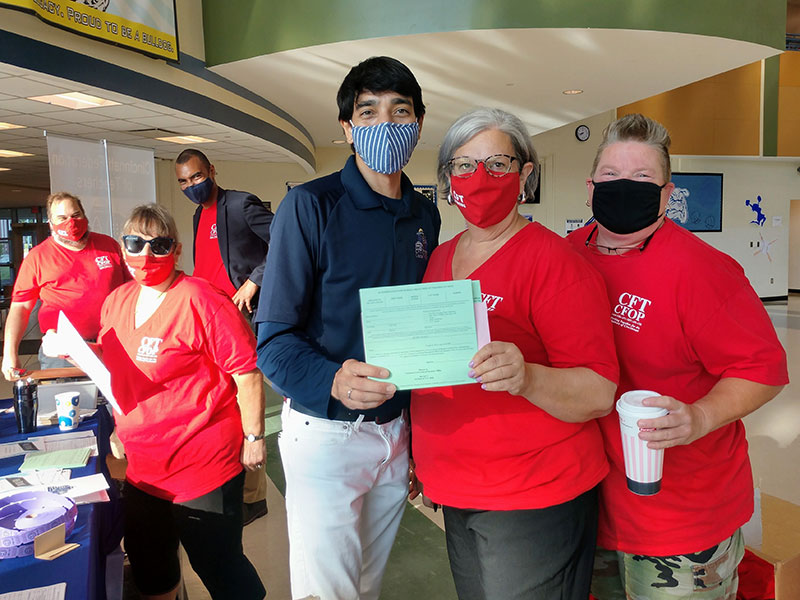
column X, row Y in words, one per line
column 418, row 565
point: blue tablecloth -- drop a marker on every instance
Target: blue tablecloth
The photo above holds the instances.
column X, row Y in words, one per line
column 98, row 528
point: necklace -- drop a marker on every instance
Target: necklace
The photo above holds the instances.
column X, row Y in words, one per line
column 615, row 250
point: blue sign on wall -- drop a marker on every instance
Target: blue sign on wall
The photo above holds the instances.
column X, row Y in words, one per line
column 696, row 201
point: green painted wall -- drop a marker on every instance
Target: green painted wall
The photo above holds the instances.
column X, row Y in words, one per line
column 240, row 29
column 770, row 116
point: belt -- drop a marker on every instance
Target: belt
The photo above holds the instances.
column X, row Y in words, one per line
column 351, row 415
column 378, row 419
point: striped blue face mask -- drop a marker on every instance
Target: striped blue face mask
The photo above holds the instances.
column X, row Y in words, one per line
column 385, row 147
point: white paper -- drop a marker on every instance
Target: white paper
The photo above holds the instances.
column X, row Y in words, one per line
column 56, row 591
column 66, row 435
column 83, row 490
column 21, row 447
column 33, row 480
column 87, row 360
column 67, row 441
column 93, row 498
column 80, row 486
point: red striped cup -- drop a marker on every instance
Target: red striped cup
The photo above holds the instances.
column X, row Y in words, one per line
column 643, row 466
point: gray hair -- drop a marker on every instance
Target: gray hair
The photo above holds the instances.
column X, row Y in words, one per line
column 637, row 128
column 470, row 124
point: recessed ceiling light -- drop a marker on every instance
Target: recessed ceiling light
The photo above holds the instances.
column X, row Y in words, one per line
column 4, row 169
column 186, row 139
column 76, row 100
column 10, row 126
column 12, row 154
column 572, row 92
column 338, row 141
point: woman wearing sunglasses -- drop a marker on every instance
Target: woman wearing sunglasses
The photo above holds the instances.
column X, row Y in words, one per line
column 180, row 353
column 515, row 458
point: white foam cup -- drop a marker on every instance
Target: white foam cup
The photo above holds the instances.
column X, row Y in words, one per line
column 67, row 410
column 643, row 466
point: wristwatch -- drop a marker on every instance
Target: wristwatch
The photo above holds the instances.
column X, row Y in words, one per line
column 253, row 438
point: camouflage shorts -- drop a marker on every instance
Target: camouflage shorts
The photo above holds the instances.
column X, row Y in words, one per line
column 707, row 575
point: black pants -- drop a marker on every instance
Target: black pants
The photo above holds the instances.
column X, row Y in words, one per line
column 538, row 554
column 210, row 529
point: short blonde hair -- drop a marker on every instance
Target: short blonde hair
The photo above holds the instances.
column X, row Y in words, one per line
column 151, row 219
column 60, row 197
column 637, row 128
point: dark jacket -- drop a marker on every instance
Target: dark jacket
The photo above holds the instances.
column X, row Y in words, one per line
column 242, row 233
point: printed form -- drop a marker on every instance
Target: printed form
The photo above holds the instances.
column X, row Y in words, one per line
column 425, row 334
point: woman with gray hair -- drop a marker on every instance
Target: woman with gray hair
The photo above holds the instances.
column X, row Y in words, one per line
column 515, row 457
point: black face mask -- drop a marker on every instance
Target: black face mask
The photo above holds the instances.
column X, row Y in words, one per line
column 626, row 206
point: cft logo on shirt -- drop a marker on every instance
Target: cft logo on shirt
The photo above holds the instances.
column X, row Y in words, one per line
column 213, row 235
column 148, row 349
column 630, row 311
column 491, row 301
column 103, row 262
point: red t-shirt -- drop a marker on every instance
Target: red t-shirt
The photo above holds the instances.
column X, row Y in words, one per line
column 684, row 316
column 494, row 451
column 75, row 281
column 208, row 260
column 182, row 429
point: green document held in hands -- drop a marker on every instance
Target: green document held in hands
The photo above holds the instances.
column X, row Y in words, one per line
column 425, row 334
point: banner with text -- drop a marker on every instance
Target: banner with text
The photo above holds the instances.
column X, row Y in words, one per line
column 79, row 167
column 144, row 25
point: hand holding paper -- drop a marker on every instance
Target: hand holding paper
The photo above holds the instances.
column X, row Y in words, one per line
column 500, row 367
column 52, row 345
column 70, row 340
column 352, row 387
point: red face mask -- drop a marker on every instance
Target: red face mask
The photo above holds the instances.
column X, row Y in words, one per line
column 73, row 228
column 151, row 270
column 484, row 199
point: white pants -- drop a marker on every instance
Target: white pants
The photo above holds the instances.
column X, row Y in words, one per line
column 346, row 488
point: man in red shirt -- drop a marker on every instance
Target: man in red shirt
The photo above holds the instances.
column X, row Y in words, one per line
column 72, row 271
column 231, row 238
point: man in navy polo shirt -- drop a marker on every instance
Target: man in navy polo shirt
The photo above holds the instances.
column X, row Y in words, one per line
column 344, row 443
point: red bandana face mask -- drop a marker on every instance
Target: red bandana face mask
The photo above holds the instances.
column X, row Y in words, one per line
column 484, row 199
column 73, row 229
column 151, row 270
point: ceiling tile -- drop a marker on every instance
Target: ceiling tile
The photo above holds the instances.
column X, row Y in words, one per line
column 12, row 70
column 25, row 88
column 74, row 129
column 169, row 122
column 38, row 121
column 78, row 116
column 122, row 112
column 28, row 107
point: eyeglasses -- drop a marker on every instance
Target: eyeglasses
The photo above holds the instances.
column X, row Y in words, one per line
column 160, row 246
column 496, row 165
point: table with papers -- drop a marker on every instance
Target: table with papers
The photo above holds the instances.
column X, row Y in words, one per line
column 98, row 528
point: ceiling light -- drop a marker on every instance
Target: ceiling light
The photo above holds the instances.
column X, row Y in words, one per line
column 12, row 154
column 4, row 169
column 10, row 126
column 76, row 100
column 186, row 139
column 572, row 92
column 338, row 141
